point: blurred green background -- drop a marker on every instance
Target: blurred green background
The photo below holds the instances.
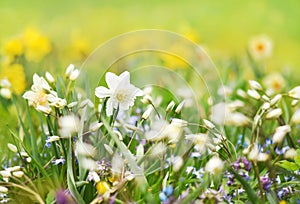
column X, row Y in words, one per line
column 224, row 27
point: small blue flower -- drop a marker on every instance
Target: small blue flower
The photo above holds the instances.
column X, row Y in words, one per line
column 163, row 197
column 168, row 190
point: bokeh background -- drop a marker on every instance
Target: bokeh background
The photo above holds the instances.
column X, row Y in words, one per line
column 224, row 27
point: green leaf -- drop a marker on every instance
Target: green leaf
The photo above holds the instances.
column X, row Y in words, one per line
column 297, row 160
column 291, row 166
column 272, row 198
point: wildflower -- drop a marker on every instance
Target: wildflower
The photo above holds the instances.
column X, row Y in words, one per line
column 5, row 93
column 74, row 74
column 158, row 149
column 260, row 47
column 266, row 183
column 3, row 189
column 85, row 149
column 296, row 117
column 49, row 77
column 179, row 107
column 102, row 187
column 274, row 113
column 214, row 166
column 15, row 75
column 290, row 154
column 147, row 99
column 254, row 94
column 68, row 125
column 255, row 85
column 63, row 197
column 200, row 140
column 147, row 113
column 208, row 124
column 95, row 126
column 295, row 92
column 275, row 99
column 255, row 155
column 39, row 94
column 18, row 174
column 121, row 93
column 280, row 133
column 58, row 161
column 37, row 46
column 14, row 47
column 12, row 147
column 274, row 83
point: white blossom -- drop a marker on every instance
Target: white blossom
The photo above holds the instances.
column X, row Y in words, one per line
column 120, row 93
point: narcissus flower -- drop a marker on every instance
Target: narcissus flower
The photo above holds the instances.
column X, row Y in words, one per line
column 214, row 166
column 120, row 93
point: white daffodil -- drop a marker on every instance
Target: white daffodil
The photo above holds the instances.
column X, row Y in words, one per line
column 41, row 94
column 120, row 92
column 214, row 166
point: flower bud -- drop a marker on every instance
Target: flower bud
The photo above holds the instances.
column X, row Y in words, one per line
column 69, row 70
column 254, row 94
column 74, row 74
column 295, row 93
column 49, row 77
column 179, row 107
column 146, row 99
column 170, row 106
column 275, row 113
column 147, row 113
column 255, row 85
column 12, row 148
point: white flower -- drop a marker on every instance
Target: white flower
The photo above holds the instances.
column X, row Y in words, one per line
column 255, row 155
column 49, row 77
column 6, row 93
column 147, row 113
column 147, row 99
column 280, row 133
column 208, row 124
column 52, row 139
column 74, row 74
column 179, row 107
column 4, row 83
column 254, row 94
column 296, row 117
column 261, row 47
column 69, row 70
column 200, row 140
column 214, row 166
column 158, row 150
column 290, row 154
column 12, row 147
column 41, row 94
column 295, row 92
column 85, row 149
column 255, row 85
column 275, row 113
column 170, row 106
column 275, row 99
column 68, row 125
column 120, row 93
column 18, row 174
column 3, row 190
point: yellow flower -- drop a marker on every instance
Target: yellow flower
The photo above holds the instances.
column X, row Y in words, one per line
column 102, row 187
column 16, row 76
column 14, row 47
column 37, row 46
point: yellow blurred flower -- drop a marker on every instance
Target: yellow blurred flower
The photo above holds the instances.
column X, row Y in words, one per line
column 80, row 48
column 13, row 47
column 37, row 46
column 16, row 76
column 261, row 47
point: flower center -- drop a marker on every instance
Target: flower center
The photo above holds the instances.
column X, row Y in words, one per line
column 41, row 99
column 121, row 96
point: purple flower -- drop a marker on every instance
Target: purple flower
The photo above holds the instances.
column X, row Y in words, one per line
column 63, row 197
column 247, row 164
column 266, row 183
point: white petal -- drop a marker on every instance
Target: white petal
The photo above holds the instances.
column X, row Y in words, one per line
column 102, row 92
column 109, row 107
column 112, row 80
